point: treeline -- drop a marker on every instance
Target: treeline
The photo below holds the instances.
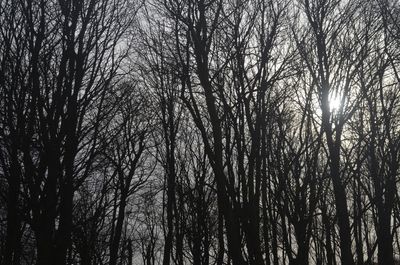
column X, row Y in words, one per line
column 208, row 132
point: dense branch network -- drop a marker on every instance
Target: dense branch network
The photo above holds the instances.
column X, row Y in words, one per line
column 204, row 132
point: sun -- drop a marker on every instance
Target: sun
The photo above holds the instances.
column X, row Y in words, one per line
column 334, row 103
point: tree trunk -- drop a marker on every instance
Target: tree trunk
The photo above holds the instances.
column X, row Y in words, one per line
column 114, row 247
column 341, row 208
column 12, row 241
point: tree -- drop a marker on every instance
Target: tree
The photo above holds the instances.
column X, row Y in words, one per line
column 66, row 60
column 128, row 132
column 333, row 65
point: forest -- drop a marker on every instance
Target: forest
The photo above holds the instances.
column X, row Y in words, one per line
column 204, row 132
